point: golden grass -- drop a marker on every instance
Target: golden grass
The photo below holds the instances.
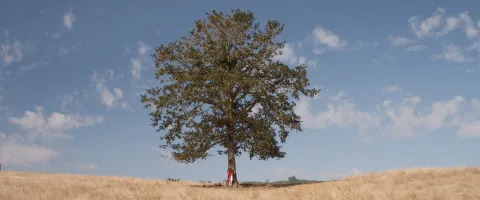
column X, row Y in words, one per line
column 424, row 184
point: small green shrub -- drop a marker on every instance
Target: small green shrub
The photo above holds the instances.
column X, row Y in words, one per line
column 173, row 179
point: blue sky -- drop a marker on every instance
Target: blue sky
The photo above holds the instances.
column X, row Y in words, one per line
column 398, row 86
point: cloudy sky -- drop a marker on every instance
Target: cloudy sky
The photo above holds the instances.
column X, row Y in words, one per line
column 398, row 86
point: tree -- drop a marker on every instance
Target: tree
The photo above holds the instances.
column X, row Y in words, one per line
column 212, row 80
column 292, row 179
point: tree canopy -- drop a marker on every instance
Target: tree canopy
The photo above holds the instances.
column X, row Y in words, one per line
column 221, row 86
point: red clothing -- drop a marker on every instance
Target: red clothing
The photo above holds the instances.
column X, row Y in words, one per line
column 229, row 173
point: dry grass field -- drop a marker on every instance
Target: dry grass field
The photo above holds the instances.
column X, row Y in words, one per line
column 424, row 184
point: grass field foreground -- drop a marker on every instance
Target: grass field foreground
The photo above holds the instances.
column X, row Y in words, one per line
column 410, row 184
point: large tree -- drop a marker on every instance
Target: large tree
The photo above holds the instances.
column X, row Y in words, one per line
column 220, row 86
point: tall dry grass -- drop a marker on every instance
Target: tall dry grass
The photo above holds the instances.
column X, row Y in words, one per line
column 424, row 184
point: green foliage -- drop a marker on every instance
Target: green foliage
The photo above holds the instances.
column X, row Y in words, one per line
column 173, row 179
column 211, row 79
column 284, row 182
column 292, row 179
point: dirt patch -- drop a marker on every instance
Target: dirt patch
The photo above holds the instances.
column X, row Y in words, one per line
column 247, row 185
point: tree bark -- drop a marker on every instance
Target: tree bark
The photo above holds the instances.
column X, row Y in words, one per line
column 231, row 156
column 232, row 165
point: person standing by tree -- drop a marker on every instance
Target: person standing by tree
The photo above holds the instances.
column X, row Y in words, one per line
column 213, row 78
column 229, row 176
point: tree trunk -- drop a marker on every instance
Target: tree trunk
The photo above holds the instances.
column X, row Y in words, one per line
column 232, row 165
column 231, row 155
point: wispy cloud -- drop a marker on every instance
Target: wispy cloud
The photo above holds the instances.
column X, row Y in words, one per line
column 56, row 125
column 21, row 148
column 109, row 98
column 399, row 40
column 425, row 27
column 469, row 27
column 139, row 60
column 392, row 88
column 290, row 57
column 326, row 40
column 452, row 53
column 16, row 150
column 69, row 100
column 11, row 51
column 405, row 119
column 68, row 20
column 439, row 24
column 418, row 47
column 341, row 112
column 388, row 56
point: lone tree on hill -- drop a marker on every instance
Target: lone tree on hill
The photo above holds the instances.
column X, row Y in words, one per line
column 221, row 87
column 292, row 179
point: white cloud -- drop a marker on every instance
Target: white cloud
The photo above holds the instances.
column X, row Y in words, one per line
column 139, row 60
column 469, row 26
column 326, row 40
column 21, row 149
column 15, row 150
column 474, row 46
column 108, row 97
column 409, row 117
column 469, row 129
column 476, row 105
column 68, row 20
column 319, row 50
column 439, row 24
column 451, row 23
column 255, row 109
column 452, row 53
column 33, row 65
column 289, row 57
column 118, row 93
column 416, row 47
column 469, row 124
column 12, row 51
column 66, row 100
column 426, row 27
column 62, row 51
column 400, row 40
column 392, row 88
column 36, row 124
column 340, row 112
column 56, row 35
column 384, row 57
column 405, row 121
column 69, row 100
column 388, row 56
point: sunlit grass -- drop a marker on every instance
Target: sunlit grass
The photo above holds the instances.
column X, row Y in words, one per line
column 424, row 184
